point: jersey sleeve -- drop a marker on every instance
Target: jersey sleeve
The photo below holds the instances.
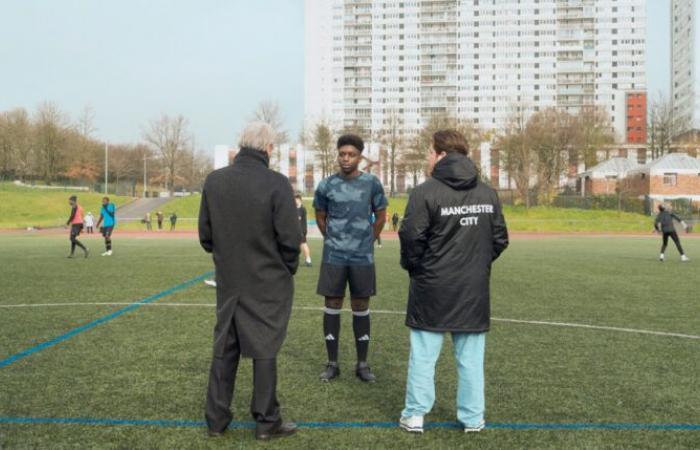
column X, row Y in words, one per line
column 379, row 201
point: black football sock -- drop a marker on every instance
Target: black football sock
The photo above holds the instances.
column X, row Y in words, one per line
column 331, row 331
column 361, row 327
column 108, row 244
column 79, row 244
column 72, row 247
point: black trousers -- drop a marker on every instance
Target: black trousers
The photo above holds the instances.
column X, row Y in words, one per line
column 673, row 235
column 264, row 406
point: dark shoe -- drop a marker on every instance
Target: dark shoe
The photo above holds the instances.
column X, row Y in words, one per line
column 332, row 371
column 364, row 373
column 70, row 256
column 214, row 434
column 283, row 430
column 307, row 264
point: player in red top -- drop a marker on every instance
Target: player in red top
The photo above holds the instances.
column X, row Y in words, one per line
column 76, row 225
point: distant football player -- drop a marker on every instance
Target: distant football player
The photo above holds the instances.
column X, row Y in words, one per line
column 75, row 221
column 301, row 212
column 664, row 225
column 108, row 219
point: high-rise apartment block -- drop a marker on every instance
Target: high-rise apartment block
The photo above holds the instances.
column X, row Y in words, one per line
column 685, row 62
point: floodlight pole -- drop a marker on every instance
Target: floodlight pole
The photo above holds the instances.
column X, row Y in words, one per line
column 106, row 165
column 145, row 177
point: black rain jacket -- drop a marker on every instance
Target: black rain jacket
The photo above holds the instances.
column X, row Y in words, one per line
column 452, row 231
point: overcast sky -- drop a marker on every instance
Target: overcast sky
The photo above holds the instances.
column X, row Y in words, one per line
column 209, row 60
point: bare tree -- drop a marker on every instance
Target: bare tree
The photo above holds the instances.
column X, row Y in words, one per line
column 595, row 132
column 168, row 136
column 269, row 111
column 664, row 125
column 413, row 159
column 519, row 158
column 322, row 142
column 86, row 122
column 391, row 136
column 16, row 153
column 50, row 127
column 551, row 133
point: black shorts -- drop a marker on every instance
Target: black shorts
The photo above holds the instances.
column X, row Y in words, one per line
column 75, row 230
column 333, row 278
column 303, row 238
column 107, row 231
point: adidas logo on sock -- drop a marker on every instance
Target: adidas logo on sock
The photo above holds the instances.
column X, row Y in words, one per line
column 364, row 338
column 330, row 337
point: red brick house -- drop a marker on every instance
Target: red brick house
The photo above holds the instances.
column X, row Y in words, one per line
column 604, row 178
column 673, row 176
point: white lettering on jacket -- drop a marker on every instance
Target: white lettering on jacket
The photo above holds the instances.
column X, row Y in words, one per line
column 466, row 210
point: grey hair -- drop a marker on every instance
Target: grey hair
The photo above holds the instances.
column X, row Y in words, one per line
column 257, row 135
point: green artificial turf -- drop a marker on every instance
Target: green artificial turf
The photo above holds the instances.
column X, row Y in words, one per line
column 152, row 363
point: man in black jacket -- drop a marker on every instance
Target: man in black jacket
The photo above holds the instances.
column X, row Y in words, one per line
column 248, row 220
column 452, row 231
column 664, row 225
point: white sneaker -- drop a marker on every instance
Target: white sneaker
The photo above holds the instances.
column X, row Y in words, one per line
column 684, row 258
column 413, row 424
column 107, row 253
column 475, row 429
column 211, row 283
column 661, row 257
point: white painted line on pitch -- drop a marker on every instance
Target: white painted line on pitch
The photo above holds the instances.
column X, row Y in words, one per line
column 377, row 311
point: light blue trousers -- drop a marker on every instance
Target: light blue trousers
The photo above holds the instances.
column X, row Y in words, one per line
column 420, row 386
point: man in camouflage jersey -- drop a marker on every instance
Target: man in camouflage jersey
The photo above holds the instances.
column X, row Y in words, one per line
column 343, row 203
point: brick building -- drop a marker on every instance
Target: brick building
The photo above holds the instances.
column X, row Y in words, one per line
column 673, row 176
column 604, row 178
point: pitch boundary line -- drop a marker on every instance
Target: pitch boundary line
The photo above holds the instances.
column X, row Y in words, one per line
column 75, row 331
column 376, row 311
column 93, row 421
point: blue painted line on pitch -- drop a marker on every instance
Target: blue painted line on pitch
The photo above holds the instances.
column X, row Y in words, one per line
column 322, row 425
column 75, row 331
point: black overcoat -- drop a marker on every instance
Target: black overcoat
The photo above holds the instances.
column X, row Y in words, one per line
column 248, row 220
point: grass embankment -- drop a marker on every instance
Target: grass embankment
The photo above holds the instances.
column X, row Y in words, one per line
column 540, row 219
column 22, row 207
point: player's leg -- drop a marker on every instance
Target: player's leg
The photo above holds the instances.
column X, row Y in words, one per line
column 331, row 285
column 469, row 353
column 664, row 244
column 72, row 242
column 420, row 383
column 75, row 232
column 362, row 281
column 307, row 253
column 677, row 241
column 331, row 333
column 107, row 233
column 222, row 379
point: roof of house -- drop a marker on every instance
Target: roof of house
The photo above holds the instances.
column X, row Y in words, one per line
column 671, row 162
column 613, row 166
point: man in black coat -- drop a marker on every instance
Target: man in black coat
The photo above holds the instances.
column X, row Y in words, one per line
column 451, row 233
column 248, row 220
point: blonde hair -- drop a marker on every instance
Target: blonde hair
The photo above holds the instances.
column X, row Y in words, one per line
column 257, row 135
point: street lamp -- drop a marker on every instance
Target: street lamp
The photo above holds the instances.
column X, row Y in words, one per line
column 106, row 165
column 145, row 174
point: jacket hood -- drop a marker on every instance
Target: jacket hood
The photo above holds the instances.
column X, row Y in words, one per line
column 456, row 171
